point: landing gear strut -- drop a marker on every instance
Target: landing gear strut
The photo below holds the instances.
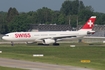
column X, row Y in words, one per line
column 12, row 44
column 56, row 44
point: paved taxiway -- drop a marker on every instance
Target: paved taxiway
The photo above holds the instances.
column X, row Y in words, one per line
column 35, row 65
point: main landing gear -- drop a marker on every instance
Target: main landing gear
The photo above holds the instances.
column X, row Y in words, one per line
column 56, row 44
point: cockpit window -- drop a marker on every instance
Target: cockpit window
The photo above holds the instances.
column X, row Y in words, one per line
column 6, row 35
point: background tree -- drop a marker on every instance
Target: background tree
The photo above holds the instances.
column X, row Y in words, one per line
column 12, row 12
column 71, row 9
column 19, row 23
column 3, row 25
column 66, row 7
column 61, row 19
column 55, row 17
column 44, row 15
column 81, row 6
column 75, row 7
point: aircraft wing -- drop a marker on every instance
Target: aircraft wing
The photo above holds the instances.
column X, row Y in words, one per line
column 60, row 37
column 64, row 37
column 87, row 37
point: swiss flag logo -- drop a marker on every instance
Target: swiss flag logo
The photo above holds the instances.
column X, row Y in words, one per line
column 90, row 23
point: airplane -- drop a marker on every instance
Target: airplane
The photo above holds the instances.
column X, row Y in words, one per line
column 51, row 37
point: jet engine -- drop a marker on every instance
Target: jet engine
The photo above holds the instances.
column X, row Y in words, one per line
column 48, row 41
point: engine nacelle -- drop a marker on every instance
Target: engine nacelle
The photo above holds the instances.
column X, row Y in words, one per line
column 48, row 41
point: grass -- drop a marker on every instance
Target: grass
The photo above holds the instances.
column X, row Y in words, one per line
column 7, row 68
column 62, row 55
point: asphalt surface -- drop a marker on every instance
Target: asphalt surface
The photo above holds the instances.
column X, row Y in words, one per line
column 35, row 65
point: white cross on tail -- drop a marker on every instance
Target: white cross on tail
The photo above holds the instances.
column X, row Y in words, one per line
column 90, row 23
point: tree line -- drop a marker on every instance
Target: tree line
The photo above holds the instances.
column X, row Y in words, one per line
column 72, row 12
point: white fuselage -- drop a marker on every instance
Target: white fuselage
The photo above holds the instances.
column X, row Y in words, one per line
column 37, row 36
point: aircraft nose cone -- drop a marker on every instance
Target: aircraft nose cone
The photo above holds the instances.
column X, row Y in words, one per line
column 3, row 38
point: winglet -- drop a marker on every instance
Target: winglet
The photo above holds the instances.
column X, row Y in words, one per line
column 89, row 24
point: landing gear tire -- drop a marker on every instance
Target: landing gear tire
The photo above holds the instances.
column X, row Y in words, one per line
column 56, row 44
column 43, row 44
column 40, row 44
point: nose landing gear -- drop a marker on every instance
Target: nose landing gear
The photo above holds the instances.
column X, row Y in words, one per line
column 12, row 44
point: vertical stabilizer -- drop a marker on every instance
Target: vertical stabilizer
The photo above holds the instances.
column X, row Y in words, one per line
column 89, row 24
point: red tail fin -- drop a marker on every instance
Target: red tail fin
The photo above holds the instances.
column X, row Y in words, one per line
column 89, row 24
